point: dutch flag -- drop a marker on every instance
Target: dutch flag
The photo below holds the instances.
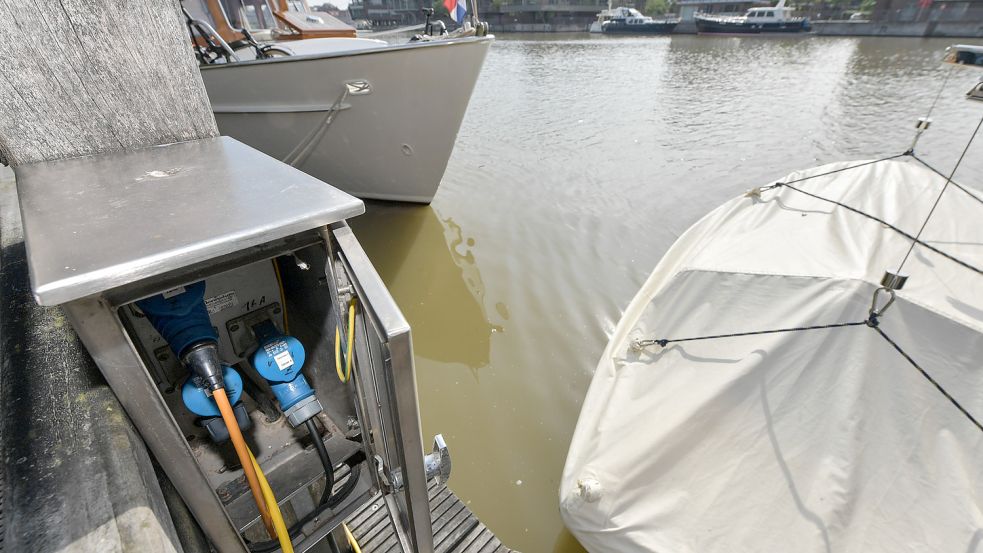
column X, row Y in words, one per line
column 456, row 9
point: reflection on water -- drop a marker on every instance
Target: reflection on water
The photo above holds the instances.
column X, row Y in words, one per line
column 439, row 288
column 581, row 160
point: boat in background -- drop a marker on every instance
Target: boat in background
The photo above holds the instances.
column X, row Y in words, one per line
column 625, row 20
column 602, row 17
column 376, row 120
column 776, row 19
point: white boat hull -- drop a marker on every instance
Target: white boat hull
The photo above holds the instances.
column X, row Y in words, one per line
column 389, row 139
column 820, row 438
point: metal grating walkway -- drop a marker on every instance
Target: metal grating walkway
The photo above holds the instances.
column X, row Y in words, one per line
column 456, row 529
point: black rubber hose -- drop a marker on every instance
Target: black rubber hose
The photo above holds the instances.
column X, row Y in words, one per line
column 325, row 460
column 296, row 528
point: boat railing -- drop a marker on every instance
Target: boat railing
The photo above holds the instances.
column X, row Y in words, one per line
column 212, row 39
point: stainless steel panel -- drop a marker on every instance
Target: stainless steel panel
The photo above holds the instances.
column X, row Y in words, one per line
column 96, row 223
column 104, row 336
column 386, row 380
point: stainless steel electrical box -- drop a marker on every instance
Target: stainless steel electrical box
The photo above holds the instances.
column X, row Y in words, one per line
column 270, row 242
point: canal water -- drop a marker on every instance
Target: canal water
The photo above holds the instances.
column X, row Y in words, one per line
column 582, row 158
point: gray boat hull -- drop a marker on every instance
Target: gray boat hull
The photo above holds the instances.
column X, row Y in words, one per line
column 378, row 123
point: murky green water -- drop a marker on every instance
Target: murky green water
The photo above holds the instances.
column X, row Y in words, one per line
column 580, row 161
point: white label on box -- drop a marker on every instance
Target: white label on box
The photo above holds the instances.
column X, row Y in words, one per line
column 284, row 360
column 222, row 301
column 173, row 292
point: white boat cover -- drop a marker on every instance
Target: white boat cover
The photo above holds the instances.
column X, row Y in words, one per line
column 819, row 440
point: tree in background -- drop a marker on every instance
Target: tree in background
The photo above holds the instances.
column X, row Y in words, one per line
column 439, row 11
column 657, row 7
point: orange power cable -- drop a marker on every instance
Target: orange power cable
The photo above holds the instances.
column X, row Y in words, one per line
column 243, row 452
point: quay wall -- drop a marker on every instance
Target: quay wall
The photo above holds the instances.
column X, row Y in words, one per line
column 821, row 28
column 883, row 28
column 538, row 27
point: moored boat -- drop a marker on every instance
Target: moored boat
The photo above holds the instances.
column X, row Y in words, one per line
column 602, row 17
column 625, row 20
column 800, row 368
column 776, row 19
column 694, row 437
column 376, row 120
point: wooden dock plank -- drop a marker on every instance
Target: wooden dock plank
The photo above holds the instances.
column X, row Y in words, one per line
column 456, row 529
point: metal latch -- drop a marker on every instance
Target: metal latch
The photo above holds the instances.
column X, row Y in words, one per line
column 436, row 464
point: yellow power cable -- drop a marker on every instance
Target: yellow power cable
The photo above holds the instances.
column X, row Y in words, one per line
column 242, row 451
column 351, row 539
column 347, row 374
column 281, row 527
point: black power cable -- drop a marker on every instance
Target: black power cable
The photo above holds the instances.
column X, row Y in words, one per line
column 333, row 501
column 322, row 453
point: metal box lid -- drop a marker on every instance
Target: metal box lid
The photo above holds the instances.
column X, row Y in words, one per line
column 95, row 223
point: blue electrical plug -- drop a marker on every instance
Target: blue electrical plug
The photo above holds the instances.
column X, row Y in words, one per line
column 198, row 399
column 180, row 317
column 279, row 359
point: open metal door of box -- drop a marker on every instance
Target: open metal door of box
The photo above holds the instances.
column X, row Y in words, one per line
column 385, row 380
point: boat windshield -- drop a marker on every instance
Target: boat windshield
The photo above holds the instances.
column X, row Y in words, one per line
column 250, row 14
column 199, row 10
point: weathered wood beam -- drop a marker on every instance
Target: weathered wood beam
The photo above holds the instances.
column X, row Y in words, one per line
column 81, row 77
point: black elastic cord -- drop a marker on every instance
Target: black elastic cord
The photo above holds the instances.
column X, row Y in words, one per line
column 924, row 373
column 872, row 322
column 888, row 225
column 665, row 341
column 322, row 453
column 841, row 169
column 929, row 378
column 943, row 175
column 948, row 181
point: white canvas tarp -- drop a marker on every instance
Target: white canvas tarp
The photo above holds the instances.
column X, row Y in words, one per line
column 821, row 440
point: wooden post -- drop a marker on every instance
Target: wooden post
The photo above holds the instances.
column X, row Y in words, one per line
column 84, row 77
column 79, row 77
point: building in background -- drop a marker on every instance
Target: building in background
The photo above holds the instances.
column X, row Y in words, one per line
column 334, row 11
column 540, row 15
column 912, row 11
column 388, row 13
column 912, row 18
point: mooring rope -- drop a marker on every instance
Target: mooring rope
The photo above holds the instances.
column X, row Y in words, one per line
column 939, row 94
